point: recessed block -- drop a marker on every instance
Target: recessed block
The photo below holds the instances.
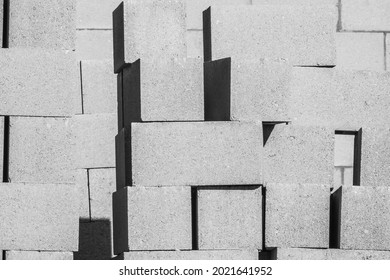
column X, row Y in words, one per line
column 36, row 82
column 230, row 218
column 149, row 30
column 189, row 154
column 94, row 44
column 297, row 215
column 38, row 255
column 152, row 219
column 39, row 217
column 302, row 35
column 95, row 14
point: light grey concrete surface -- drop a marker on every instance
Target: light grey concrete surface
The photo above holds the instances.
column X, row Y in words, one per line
column 81, row 180
column 94, row 44
column 38, row 255
column 95, row 14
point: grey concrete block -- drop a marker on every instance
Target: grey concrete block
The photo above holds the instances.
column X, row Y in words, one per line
column 94, row 44
column 152, row 219
column 94, row 140
column 295, row 2
column 195, row 43
column 39, row 217
column 149, row 30
column 36, row 82
column 81, row 176
column 252, row 90
column 191, row 255
column 170, row 90
column 42, row 24
column 297, row 215
column 190, row 154
column 230, row 218
column 95, row 14
column 301, row 35
column 99, row 87
column 299, row 154
column 38, row 255
column 1, row 147
column 40, row 150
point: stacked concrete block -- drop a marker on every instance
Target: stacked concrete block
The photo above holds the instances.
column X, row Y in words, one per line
column 94, row 44
column 39, row 217
column 302, row 35
column 229, row 218
column 38, row 255
column 152, row 218
column 297, row 215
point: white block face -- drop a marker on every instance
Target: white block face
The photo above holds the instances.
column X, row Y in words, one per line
column 343, row 160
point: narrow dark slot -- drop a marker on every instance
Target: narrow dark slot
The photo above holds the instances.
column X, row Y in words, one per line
column 316, row 66
column 3, row 257
column 335, row 219
column 6, row 150
column 339, row 22
column 357, row 158
column 194, row 218
column 263, row 192
column 81, row 87
column 5, row 43
column 207, row 55
column 89, row 197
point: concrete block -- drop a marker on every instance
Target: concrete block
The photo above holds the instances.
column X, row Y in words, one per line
column 251, row 90
column 387, row 51
column 190, row 154
column 152, row 219
column 94, row 44
column 302, row 35
column 149, row 30
column 95, row 14
column 195, row 43
column 36, row 82
column 360, row 51
column 38, row 255
column 102, row 185
column 39, row 217
column 94, row 140
column 170, row 90
column 299, row 154
column 190, row 255
column 230, row 218
column 1, row 147
column 99, row 87
column 297, row 215
column 40, row 150
column 365, row 15
column 344, row 150
column 83, row 187
column 295, row 2
column 38, row 24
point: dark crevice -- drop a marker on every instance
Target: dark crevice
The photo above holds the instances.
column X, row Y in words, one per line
column 194, row 218
column 3, row 255
column 6, row 150
column 5, row 43
column 357, row 158
column 263, row 213
column 81, row 87
column 335, row 219
column 89, row 197
column 315, row 66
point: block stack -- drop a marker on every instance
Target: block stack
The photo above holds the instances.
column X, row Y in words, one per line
column 39, row 92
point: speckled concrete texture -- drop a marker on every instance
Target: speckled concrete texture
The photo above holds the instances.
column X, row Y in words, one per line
column 95, row 14
column 81, row 180
column 297, row 215
column 302, row 35
column 230, row 218
column 295, row 2
column 94, row 44
column 39, row 217
column 152, row 219
column 38, row 255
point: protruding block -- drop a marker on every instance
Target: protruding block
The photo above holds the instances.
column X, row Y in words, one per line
column 39, row 24
column 39, row 217
column 36, row 82
column 302, row 35
column 38, row 255
column 190, row 154
column 297, row 215
column 40, row 150
column 95, row 14
column 149, row 30
column 94, row 44
column 230, row 218
column 152, row 219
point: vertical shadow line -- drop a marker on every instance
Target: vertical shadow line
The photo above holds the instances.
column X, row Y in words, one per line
column 194, row 218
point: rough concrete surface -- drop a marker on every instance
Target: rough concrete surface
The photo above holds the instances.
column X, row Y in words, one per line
column 190, row 154
column 297, row 215
column 42, row 24
column 40, row 150
column 295, row 2
column 38, row 255
column 81, row 176
column 1, row 147
column 387, row 52
column 149, row 30
column 195, row 43
column 94, row 44
column 39, row 217
column 95, row 14
column 302, row 35
column 36, row 82
column 230, row 218
column 152, row 219
column 99, row 87
column 94, row 140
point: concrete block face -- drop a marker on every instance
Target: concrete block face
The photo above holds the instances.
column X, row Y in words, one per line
column 364, row 222
column 46, row 81
column 297, row 215
column 99, row 87
column 360, row 51
column 149, row 30
column 387, row 52
column 230, row 218
column 95, row 14
column 94, row 140
column 81, row 176
column 299, row 154
column 193, row 154
column 365, row 15
column 152, row 219
column 39, row 217
column 40, row 150
column 302, row 35
column 180, row 99
column 195, row 43
column 94, row 44
column 38, row 255
column 191, row 255
column 248, row 90
column 295, row 2
column 1, row 147
column 39, row 24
